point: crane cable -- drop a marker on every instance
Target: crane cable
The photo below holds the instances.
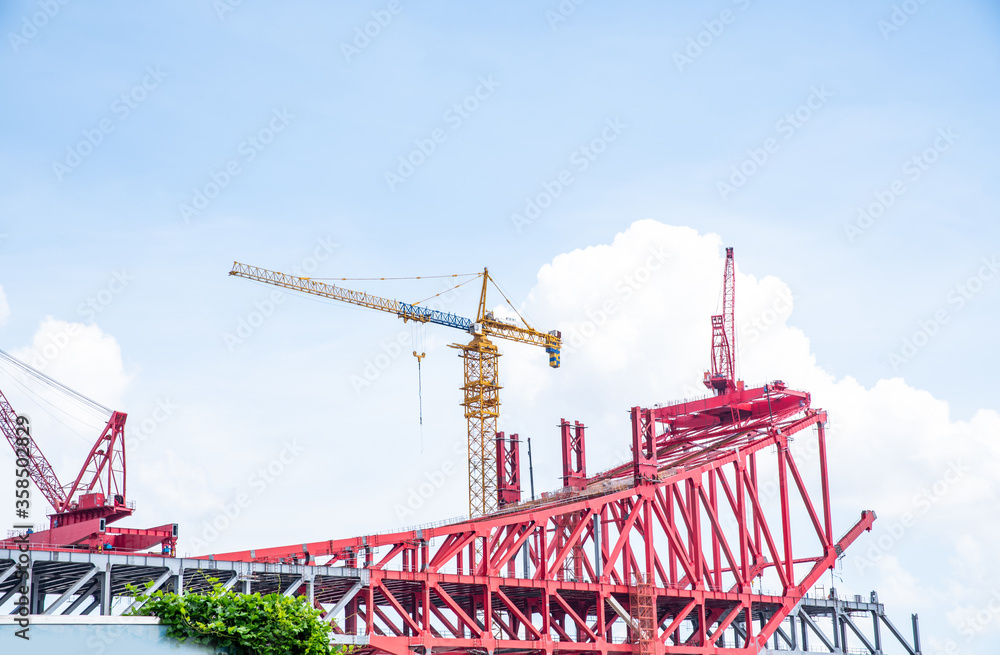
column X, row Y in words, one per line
column 58, row 386
column 478, row 275
column 52, row 408
column 497, row 286
column 417, row 332
column 413, row 277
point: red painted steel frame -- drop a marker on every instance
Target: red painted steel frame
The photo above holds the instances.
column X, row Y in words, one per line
column 83, row 522
column 722, row 377
column 695, row 514
column 574, row 455
column 508, row 470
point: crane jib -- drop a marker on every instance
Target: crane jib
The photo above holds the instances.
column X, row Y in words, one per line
column 414, row 312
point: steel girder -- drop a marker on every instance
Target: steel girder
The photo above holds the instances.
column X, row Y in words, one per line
column 692, row 519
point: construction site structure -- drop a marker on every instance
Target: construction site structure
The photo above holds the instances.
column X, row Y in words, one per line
column 710, row 539
column 480, row 362
column 78, row 584
column 84, row 509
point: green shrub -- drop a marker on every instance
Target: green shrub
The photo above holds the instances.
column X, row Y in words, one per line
column 240, row 624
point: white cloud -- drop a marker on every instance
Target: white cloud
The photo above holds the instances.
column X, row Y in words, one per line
column 635, row 318
column 83, row 357
column 4, row 307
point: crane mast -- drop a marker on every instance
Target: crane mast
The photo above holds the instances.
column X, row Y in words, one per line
column 480, row 363
column 722, row 376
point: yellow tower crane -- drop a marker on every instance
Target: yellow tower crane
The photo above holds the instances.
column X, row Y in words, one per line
column 481, row 388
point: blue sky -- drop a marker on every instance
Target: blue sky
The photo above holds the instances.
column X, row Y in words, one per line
column 824, row 108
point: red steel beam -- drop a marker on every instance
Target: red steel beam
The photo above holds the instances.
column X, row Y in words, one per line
column 577, row 582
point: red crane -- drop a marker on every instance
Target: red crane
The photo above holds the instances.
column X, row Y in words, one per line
column 84, row 508
column 722, row 377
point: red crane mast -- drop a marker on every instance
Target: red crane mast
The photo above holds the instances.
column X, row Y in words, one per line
column 722, row 376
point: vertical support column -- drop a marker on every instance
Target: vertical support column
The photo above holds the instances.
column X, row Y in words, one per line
column 546, row 615
column 624, row 557
column 702, row 631
column 598, row 559
column 605, row 542
column 508, row 470
column 805, row 632
column 752, row 461
column 837, row 627
column 351, row 617
column 825, row 480
column 370, row 608
column 601, row 618
column 741, row 523
column 916, row 633
column 694, row 533
column 179, row 579
column 425, row 606
column 574, row 454
column 650, row 546
column 488, row 610
column 876, row 628
column 792, row 632
column 36, row 599
column 786, row 518
column 482, row 407
column 542, row 565
column 106, row 590
column 643, row 446
column 713, row 499
column 668, row 510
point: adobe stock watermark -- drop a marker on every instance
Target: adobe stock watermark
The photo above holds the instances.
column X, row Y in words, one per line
column 365, row 35
column 224, row 7
column 247, row 151
column 453, row 117
column 121, row 108
column 148, row 425
column 418, row 495
column 922, row 503
column 898, row 17
column 562, row 12
column 958, row 296
column 913, row 169
column 971, row 627
column 580, row 160
column 56, row 342
column 390, row 351
column 577, row 336
column 264, row 308
column 94, row 305
column 32, row 24
column 703, row 40
column 258, row 482
column 780, row 307
column 787, row 126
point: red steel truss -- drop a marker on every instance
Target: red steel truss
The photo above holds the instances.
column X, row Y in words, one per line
column 664, row 554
